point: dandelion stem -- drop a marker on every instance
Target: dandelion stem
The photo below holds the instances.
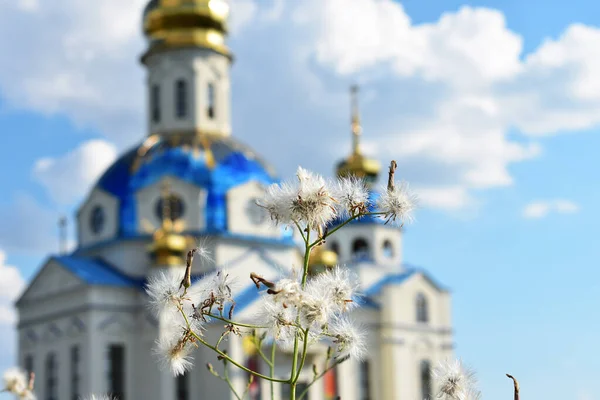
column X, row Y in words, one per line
column 304, row 352
column 225, row 356
column 516, row 384
column 237, row 396
column 331, row 232
column 233, row 322
column 272, row 369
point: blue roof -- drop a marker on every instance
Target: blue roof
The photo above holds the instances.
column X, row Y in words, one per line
column 186, row 159
column 97, row 272
column 396, row 278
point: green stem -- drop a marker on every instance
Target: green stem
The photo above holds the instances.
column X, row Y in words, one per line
column 331, row 232
column 237, row 396
column 226, row 357
column 304, row 352
column 235, row 323
column 272, row 369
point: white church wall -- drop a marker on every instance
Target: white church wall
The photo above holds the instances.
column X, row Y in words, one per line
column 109, row 206
column 244, row 216
column 131, row 257
column 213, row 68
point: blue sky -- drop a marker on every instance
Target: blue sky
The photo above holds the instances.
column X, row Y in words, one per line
column 499, row 134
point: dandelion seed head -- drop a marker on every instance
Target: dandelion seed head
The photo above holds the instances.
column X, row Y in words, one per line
column 277, row 200
column 352, row 196
column 339, row 285
column 455, row 381
column 174, row 354
column 164, row 290
column 279, row 321
column 15, row 380
column 314, row 203
column 349, row 338
column 398, row 204
column 315, row 311
column 288, row 292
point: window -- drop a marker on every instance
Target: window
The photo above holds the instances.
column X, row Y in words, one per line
column 422, row 311
column 360, row 249
column 97, row 220
column 254, row 391
column 425, row 374
column 75, row 372
column 335, row 247
column 155, row 103
column 51, row 377
column 364, row 392
column 116, row 371
column 182, row 387
column 174, row 207
column 180, row 98
column 210, row 107
column 28, row 364
column 388, row 249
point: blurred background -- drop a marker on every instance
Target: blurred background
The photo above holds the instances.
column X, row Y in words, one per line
column 491, row 109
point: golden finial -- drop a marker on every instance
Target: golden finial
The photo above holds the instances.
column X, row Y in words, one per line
column 357, row 164
column 169, row 245
column 356, row 128
column 208, row 154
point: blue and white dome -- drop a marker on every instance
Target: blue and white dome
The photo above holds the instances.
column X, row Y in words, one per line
column 212, row 165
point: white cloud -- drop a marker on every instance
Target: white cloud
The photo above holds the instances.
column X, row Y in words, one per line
column 11, row 285
column 71, row 176
column 76, row 58
column 542, row 208
column 440, row 97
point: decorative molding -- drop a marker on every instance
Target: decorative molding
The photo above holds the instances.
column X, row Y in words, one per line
column 78, row 310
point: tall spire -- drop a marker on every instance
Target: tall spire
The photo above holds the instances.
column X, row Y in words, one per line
column 356, row 128
column 357, row 164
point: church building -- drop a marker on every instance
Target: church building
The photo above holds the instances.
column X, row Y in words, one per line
column 84, row 322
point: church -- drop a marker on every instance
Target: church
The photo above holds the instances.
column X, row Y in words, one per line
column 84, row 323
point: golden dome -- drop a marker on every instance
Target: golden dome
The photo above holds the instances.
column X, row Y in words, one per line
column 321, row 259
column 169, row 247
column 186, row 23
column 357, row 164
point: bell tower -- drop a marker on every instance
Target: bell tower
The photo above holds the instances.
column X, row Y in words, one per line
column 188, row 62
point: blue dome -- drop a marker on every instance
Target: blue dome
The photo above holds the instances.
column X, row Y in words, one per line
column 227, row 164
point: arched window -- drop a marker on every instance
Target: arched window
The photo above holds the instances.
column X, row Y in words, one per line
column 425, row 373
column 335, row 247
column 388, row 249
column 360, row 249
column 155, row 103
column 182, row 387
column 176, row 208
column 210, row 103
column 181, row 98
column 51, row 377
column 422, row 309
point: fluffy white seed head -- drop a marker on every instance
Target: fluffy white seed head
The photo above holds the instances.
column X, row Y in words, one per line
column 455, row 381
column 315, row 311
column 279, row 321
column 15, row 381
column 288, row 292
column 348, row 337
column 174, row 354
column 398, row 204
column 352, row 196
column 337, row 285
column 164, row 290
column 308, row 200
